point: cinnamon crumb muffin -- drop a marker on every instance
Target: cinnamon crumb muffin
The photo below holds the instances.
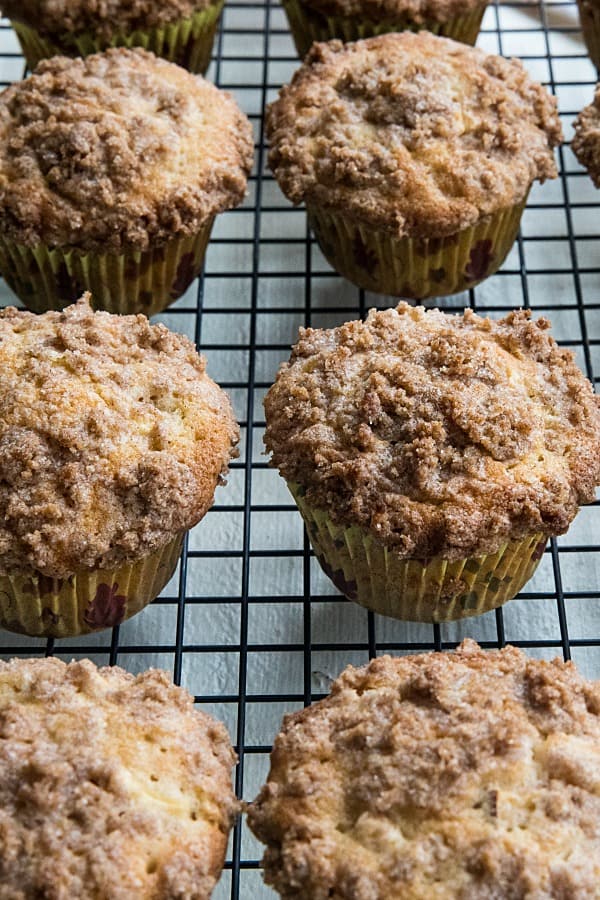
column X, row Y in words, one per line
column 111, row 785
column 589, row 13
column 182, row 31
column 116, row 191
column 112, row 442
column 454, row 776
column 349, row 20
column 414, row 156
column 586, row 141
column 432, row 455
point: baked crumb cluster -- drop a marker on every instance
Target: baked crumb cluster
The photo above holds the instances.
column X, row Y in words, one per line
column 439, row 434
column 110, row 785
column 117, row 152
column 412, row 133
column 586, row 140
column 463, row 776
column 112, row 439
column 105, row 18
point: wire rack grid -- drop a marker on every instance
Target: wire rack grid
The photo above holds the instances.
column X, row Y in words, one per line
column 249, row 624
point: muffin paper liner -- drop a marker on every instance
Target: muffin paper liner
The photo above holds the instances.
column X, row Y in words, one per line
column 417, row 590
column 308, row 25
column 87, row 601
column 138, row 282
column 415, row 268
column 188, row 42
column 589, row 13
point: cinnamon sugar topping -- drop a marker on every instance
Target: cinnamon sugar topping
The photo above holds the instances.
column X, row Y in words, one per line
column 440, row 434
column 105, row 18
column 456, row 776
column 412, row 133
column 112, row 439
column 116, row 152
column 586, row 141
column 111, row 786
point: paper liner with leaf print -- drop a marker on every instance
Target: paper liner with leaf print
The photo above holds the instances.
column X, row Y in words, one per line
column 308, row 25
column 134, row 282
column 417, row 590
column 188, row 42
column 86, row 601
column 415, row 268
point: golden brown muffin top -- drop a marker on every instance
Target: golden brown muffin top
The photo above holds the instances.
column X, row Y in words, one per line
column 112, row 439
column 418, row 11
column 412, row 133
column 111, row 786
column 440, row 434
column 118, row 151
column 457, row 776
column 105, row 18
column 586, row 141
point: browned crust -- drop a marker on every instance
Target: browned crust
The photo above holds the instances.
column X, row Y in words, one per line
column 112, row 439
column 105, row 19
column 461, row 776
column 586, row 141
column 110, row 785
column 117, row 152
column 418, row 11
column 411, row 133
column 440, row 434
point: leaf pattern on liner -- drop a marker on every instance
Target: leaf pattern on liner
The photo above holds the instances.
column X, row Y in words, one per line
column 107, row 609
column 539, row 550
column 349, row 588
column 50, row 619
column 437, row 275
column 480, row 260
column 186, row 272
column 42, row 585
column 363, row 255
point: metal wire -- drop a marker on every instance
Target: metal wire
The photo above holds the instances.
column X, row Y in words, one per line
column 249, row 624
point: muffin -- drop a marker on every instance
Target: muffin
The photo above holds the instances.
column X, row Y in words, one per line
column 589, row 13
column 414, row 156
column 432, row 455
column 110, row 785
column 182, row 31
column 115, row 191
column 586, row 140
column 112, row 442
column 349, row 20
column 454, row 776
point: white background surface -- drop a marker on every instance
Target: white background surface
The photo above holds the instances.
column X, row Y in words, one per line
column 263, row 280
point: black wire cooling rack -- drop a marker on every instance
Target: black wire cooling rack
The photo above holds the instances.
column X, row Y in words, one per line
column 248, row 623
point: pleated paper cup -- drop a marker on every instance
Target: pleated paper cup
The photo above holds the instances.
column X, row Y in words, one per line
column 135, row 282
column 188, row 42
column 415, row 268
column 417, row 590
column 589, row 13
column 307, row 25
column 87, row 601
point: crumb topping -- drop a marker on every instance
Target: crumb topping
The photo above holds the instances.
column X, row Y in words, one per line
column 457, row 776
column 415, row 134
column 110, row 785
column 586, row 141
column 118, row 151
column 112, row 439
column 105, row 18
column 418, row 11
column 440, row 434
